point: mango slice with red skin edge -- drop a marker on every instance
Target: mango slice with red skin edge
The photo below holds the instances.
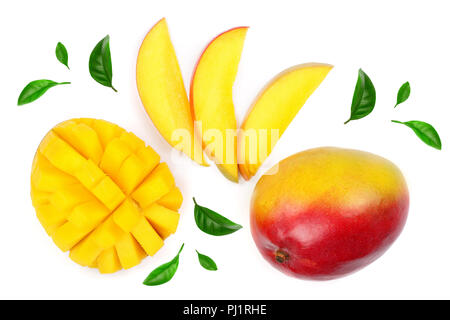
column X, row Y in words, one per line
column 273, row 110
column 211, row 99
column 166, row 102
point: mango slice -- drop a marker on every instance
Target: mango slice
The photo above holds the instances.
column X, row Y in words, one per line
column 102, row 194
column 163, row 94
column 211, row 99
column 272, row 112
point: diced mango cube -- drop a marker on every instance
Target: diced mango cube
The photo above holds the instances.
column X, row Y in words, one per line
column 68, row 235
column 108, row 193
column 164, row 220
column 93, row 264
column 155, row 186
column 107, row 234
column 88, row 214
column 131, row 173
column 89, row 174
column 172, row 200
column 133, row 142
column 88, row 121
column 82, row 138
column 39, row 197
column 127, row 215
column 147, row 237
column 66, row 198
column 115, row 154
column 129, row 251
column 60, row 153
column 86, row 252
column 106, row 131
column 108, row 261
column 47, row 177
column 50, row 217
column 149, row 157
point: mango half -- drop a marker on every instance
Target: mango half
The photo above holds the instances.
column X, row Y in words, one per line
column 102, row 194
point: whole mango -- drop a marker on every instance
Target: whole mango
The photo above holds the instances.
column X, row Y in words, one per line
column 101, row 193
column 327, row 212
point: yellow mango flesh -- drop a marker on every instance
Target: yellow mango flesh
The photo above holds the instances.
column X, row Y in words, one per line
column 48, row 178
column 85, row 252
column 129, row 251
column 105, row 130
column 39, row 197
column 172, row 200
column 211, row 98
column 60, row 154
column 147, row 237
column 108, row 261
column 272, row 112
column 162, row 92
column 155, row 186
column 164, row 220
column 50, row 217
column 66, row 198
column 83, row 138
column 91, row 184
column 127, row 215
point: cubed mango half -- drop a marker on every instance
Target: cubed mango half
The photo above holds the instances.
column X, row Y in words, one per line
column 102, row 194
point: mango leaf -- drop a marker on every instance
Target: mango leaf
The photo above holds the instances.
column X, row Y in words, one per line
column 213, row 223
column 403, row 93
column 364, row 97
column 62, row 55
column 206, row 262
column 100, row 66
column 164, row 273
column 425, row 132
column 35, row 89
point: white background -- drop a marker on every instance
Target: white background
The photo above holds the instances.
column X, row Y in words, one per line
column 393, row 41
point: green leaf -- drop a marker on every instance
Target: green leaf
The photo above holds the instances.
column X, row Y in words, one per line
column 35, row 89
column 364, row 97
column 164, row 273
column 213, row 223
column 62, row 55
column 206, row 262
column 100, row 66
column 425, row 132
column 403, row 93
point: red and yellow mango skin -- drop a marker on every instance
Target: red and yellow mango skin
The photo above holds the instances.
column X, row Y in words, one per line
column 327, row 212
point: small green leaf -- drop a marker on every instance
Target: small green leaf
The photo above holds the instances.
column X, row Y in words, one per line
column 213, row 223
column 364, row 97
column 425, row 132
column 100, row 66
column 35, row 89
column 164, row 273
column 403, row 93
column 206, row 262
column 62, row 55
